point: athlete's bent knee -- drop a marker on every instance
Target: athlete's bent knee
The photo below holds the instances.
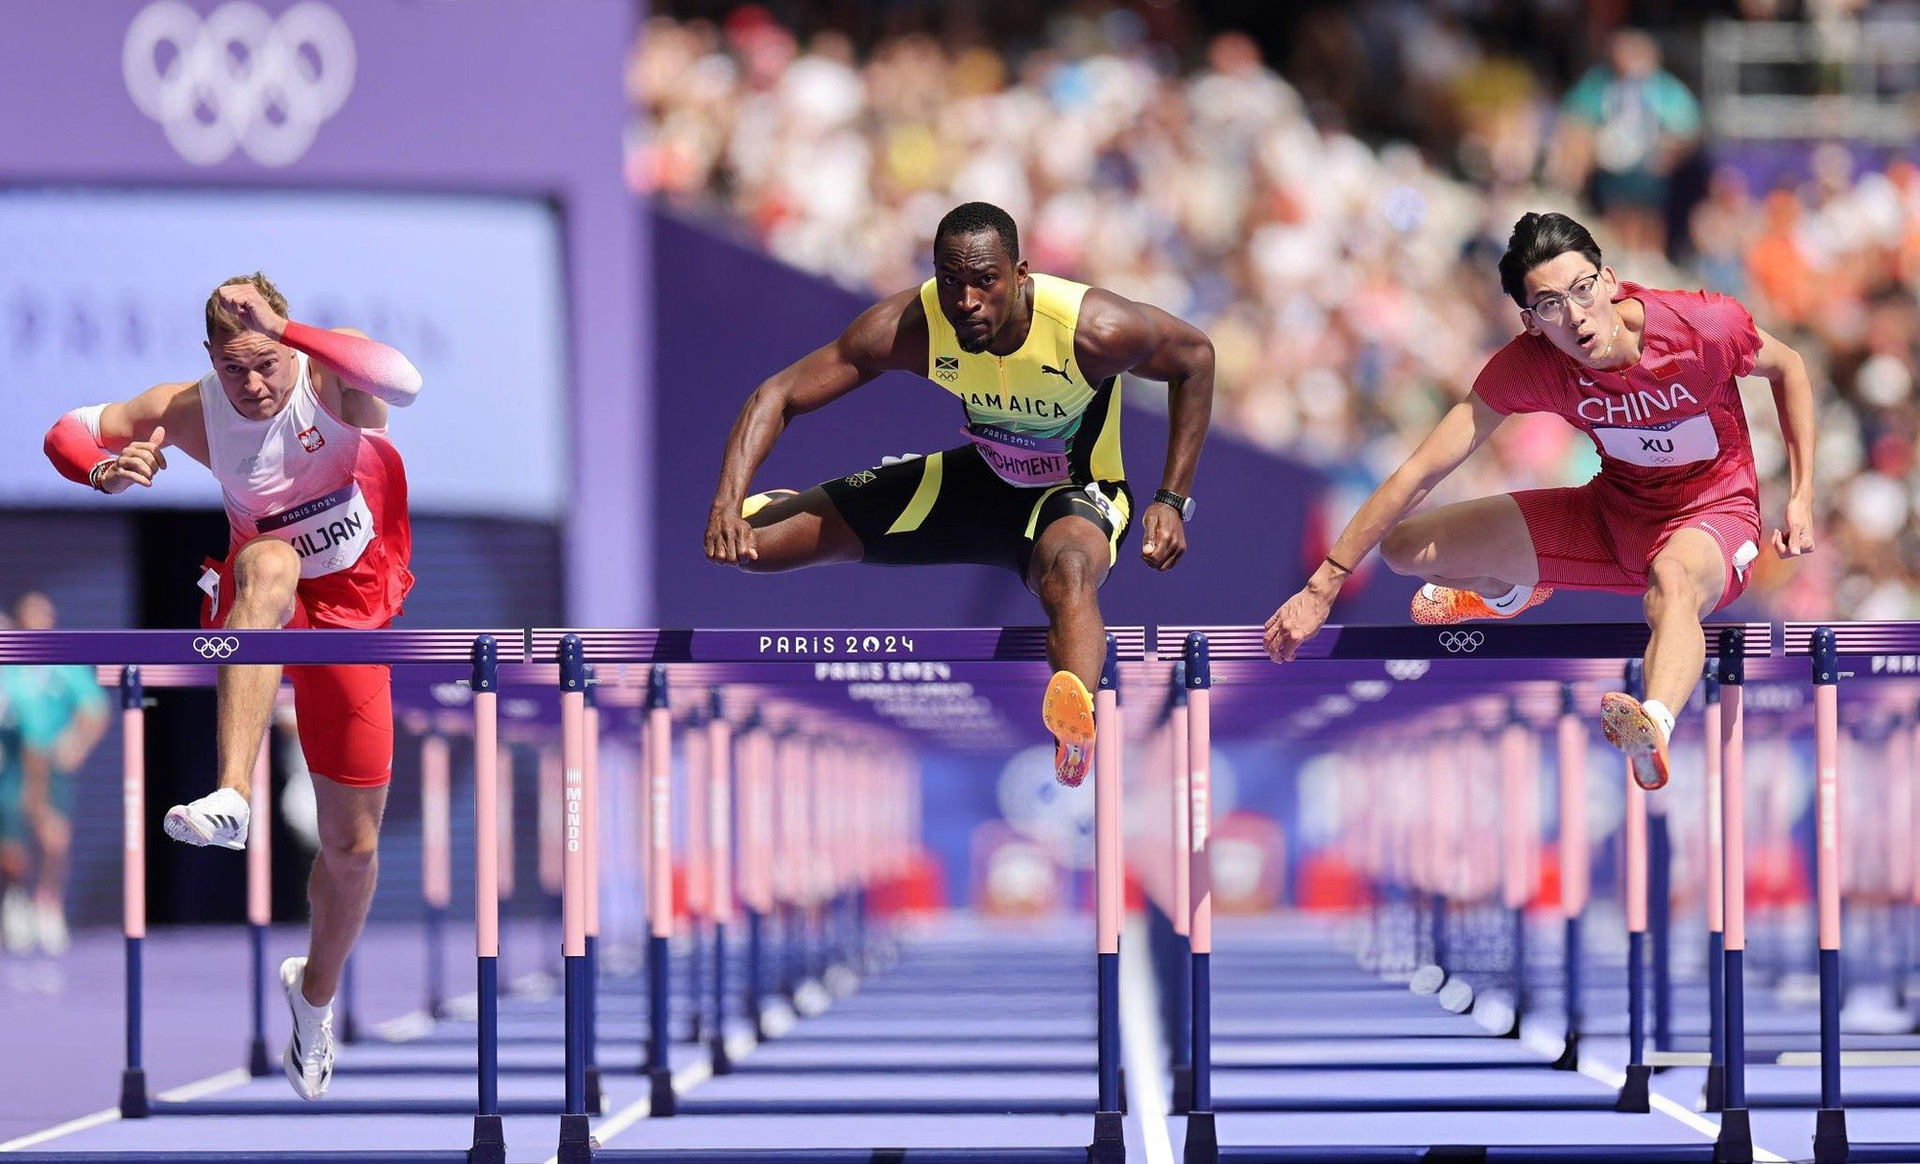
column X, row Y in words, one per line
column 265, row 570
column 1069, row 576
column 1670, row 590
column 1404, row 548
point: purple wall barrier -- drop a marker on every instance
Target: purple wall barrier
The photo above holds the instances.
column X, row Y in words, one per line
column 516, row 97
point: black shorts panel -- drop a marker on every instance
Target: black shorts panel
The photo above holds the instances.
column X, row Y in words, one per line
column 969, row 515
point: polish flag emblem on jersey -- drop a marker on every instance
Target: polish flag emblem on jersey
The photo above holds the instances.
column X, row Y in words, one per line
column 312, row 441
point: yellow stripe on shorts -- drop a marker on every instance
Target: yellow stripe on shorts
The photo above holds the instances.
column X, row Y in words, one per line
column 915, row 514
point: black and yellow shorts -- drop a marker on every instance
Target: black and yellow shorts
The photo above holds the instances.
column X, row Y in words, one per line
column 950, row 507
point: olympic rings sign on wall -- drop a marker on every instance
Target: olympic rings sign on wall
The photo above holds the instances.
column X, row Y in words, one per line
column 239, row 78
column 1462, row 642
column 216, row 646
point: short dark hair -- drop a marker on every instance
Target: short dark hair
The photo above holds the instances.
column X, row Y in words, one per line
column 974, row 217
column 1541, row 238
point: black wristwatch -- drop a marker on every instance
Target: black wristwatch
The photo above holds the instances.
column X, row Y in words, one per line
column 1181, row 505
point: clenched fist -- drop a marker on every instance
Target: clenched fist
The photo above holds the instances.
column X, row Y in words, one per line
column 136, row 465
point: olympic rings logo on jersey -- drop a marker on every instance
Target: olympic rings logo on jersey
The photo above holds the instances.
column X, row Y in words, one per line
column 239, row 78
column 216, row 646
column 1462, row 642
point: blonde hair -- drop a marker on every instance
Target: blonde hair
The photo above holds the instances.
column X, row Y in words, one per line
column 222, row 324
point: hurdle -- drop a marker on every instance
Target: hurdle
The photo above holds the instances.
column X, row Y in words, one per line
column 186, row 655
column 1493, row 654
column 1825, row 646
column 749, row 656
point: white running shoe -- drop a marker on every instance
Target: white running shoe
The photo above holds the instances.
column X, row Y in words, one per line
column 309, row 1057
column 218, row 818
column 54, row 939
column 17, row 929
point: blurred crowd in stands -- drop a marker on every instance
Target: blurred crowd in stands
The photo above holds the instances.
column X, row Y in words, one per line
column 1332, row 219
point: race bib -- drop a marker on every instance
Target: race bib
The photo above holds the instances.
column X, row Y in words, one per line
column 1019, row 459
column 1679, row 442
column 329, row 533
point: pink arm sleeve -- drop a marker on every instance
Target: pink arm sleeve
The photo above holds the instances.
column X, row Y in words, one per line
column 73, row 450
column 368, row 365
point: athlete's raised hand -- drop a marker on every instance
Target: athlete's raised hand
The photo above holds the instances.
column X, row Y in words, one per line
column 136, row 465
column 1298, row 619
column 252, row 309
column 729, row 537
column 1797, row 536
column 1163, row 536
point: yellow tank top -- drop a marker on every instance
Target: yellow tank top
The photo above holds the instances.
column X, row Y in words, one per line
column 1035, row 400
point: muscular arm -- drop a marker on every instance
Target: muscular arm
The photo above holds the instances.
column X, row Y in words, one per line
column 127, row 437
column 1793, row 400
column 174, row 407
column 351, row 402
column 1464, row 428
column 1116, row 335
column 889, row 336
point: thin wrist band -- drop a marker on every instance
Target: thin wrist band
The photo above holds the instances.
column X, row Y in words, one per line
column 1336, row 565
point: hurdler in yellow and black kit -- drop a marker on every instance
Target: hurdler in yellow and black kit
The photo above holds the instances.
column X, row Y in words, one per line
column 1041, row 443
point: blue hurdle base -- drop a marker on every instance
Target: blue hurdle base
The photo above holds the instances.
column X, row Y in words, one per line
column 1463, row 1103
column 489, row 1141
column 1463, row 1153
column 1203, row 1139
column 1735, row 1143
column 929, row 1106
column 302, row 1107
column 1830, row 1136
column 134, row 1104
column 453, row 1156
column 845, row 1155
column 1109, row 1139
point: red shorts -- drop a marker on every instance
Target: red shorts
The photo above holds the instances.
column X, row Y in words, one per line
column 1589, row 538
column 346, row 710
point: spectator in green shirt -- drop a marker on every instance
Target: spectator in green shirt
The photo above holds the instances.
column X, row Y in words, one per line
column 53, row 717
column 1625, row 125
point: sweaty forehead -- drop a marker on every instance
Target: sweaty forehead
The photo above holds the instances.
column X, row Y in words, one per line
column 980, row 251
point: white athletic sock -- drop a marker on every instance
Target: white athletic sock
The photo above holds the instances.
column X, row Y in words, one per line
column 1658, row 713
column 1511, row 600
column 313, row 1012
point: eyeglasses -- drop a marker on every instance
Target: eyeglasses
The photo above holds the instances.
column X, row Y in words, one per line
column 1553, row 308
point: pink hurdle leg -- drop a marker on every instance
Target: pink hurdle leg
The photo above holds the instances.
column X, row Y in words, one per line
column 488, row 1132
column 659, row 889
column 1109, row 741
column 1576, row 875
column 574, row 1135
column 1202, row 1137
column 436, row 854
column 717, row 826
column 133, row 879
column 260, row 900
column 1736, row 1133
column 1830, row 1122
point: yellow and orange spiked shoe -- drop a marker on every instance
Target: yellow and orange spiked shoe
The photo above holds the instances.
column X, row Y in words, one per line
column 1443, row 605
column 1632, row 730
column 1067, row 710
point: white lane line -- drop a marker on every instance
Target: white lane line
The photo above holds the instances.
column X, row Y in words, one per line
column 198, row 1089
column 1615, row 1078
column 692, row 1075
column 33, row 1139
column 1140, row 1043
